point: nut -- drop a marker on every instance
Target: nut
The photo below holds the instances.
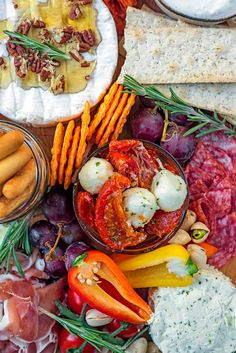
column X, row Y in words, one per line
column 95, row 318
column 152, row 348
column 37, row 23
column 199, row 232
column 2, row 64
column 45, row 36
column 58, row 84
column 181, row 237
column 89, row 37
column 83, row 47
column 138, row 346
column 45, row 74
column 85, row 64
column 24, row 26
column 75, row 12
column 76, row 55
column 190, row 218
column 198, row 255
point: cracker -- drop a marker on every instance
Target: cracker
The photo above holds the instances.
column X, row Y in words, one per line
column 56, row 152
column 85, row 120
column 65, row 148
column 72, row 157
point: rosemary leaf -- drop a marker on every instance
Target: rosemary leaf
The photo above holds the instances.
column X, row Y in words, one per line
column 175, row 104
column 50, row 50
column 17, row 263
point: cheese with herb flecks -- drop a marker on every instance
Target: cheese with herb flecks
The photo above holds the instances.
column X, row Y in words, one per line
column 200, row 318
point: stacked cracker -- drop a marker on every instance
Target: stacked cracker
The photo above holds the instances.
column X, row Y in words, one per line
column 70, row 144
column 198, row 63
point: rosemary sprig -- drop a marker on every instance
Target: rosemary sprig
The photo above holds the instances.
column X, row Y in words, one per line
column 15, row 238
column 77, row 326
column 50, row 50
column 175, row 104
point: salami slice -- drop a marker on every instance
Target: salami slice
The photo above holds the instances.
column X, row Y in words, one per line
column 221, row 201
column 197, row 189
column 205, row 212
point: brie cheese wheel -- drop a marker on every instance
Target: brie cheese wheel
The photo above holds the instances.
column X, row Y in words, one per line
column 139, row 205
column 94, row 174
column 198, row 318
column 169, row 189
column 41, row 107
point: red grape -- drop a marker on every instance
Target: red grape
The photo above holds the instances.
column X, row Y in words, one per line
column 147, row 124
column 72, row 232
column 181, row 147
column 55, row 267
column 42, row 234
column 179, row 119
column 57, row 206
column 150, row 103
column 73, row 251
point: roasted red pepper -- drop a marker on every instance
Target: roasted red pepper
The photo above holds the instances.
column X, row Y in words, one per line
column 146, row 164
column 110, row 217
column 163, row 222
column 86, row 208
column 89, row 276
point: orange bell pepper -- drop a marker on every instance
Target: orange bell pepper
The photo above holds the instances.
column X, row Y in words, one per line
column 103, row 286
column 210, row 249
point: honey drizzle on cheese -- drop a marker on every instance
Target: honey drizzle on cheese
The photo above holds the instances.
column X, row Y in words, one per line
column 55, row 14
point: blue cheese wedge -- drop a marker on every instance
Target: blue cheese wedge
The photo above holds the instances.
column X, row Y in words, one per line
column 200, row 318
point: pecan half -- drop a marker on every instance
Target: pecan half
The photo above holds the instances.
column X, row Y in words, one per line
column 63, row 36
column 83, row 47
column 85, row 64
column 45, row 36
column 21, row 67
column 45, row 74
column 89, row 37
column 58, row 84
column 76, row 55
column 20, row 50
column 75, row 12
column 85, row 2
column 11, row 47
column 24, row 26
column 37, row 23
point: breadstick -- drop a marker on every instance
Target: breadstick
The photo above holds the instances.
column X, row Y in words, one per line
column 13, row 163
column 7, row 206
column 10, row 142
column 19, row 182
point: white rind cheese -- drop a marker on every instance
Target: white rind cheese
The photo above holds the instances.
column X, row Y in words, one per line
column 41, row 107
column 200, row 318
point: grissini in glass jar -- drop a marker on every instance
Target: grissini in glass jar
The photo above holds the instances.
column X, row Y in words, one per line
column 24, row 172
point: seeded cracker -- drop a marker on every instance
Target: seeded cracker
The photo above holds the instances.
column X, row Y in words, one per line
column 56, row 152
column 65, row 149
column 85, row 119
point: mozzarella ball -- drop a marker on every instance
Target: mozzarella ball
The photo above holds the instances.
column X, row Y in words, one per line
column 94, row 174
column 169, row 189
column 139, row 205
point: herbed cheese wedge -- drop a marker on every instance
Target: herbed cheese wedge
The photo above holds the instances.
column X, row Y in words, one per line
column 41, row 107
column 200, row 318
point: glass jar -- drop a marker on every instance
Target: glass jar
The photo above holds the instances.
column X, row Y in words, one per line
column 42, row 172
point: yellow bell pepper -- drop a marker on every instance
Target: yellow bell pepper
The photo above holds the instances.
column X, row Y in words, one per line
column 156, row 276
column 169, row 265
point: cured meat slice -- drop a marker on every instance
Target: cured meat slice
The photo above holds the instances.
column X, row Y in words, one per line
column 50, row 293
column 197, row 189
column 221, row 201
column 205, row 212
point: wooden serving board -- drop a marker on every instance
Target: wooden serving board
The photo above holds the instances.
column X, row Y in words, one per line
column 45, row 135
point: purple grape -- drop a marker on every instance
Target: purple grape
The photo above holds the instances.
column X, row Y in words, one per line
column 73, row 251
column 55, row 267
column 42, row 234
column 72, row 232
column 147, row 124
column 181, row 147
column 150, row 103
column 57, row 206
column 179, row 119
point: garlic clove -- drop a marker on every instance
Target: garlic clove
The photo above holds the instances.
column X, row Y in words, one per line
column 138, row 346
column 189, row 220
column 152, row 348
column 198, row 255
column 95, row 318
column 181, row 237
column 199, row 232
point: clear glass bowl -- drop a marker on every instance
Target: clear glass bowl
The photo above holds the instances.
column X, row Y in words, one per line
column 152, row 242
column 42, row 172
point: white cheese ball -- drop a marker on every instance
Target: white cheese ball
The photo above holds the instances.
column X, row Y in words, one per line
column 169, row 189
column 139, row 205
column 94, row 174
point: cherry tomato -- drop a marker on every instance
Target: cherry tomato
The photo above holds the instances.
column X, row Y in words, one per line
column 75, row 302
column 85, row 206
column 66, row 341
column 129, row 332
